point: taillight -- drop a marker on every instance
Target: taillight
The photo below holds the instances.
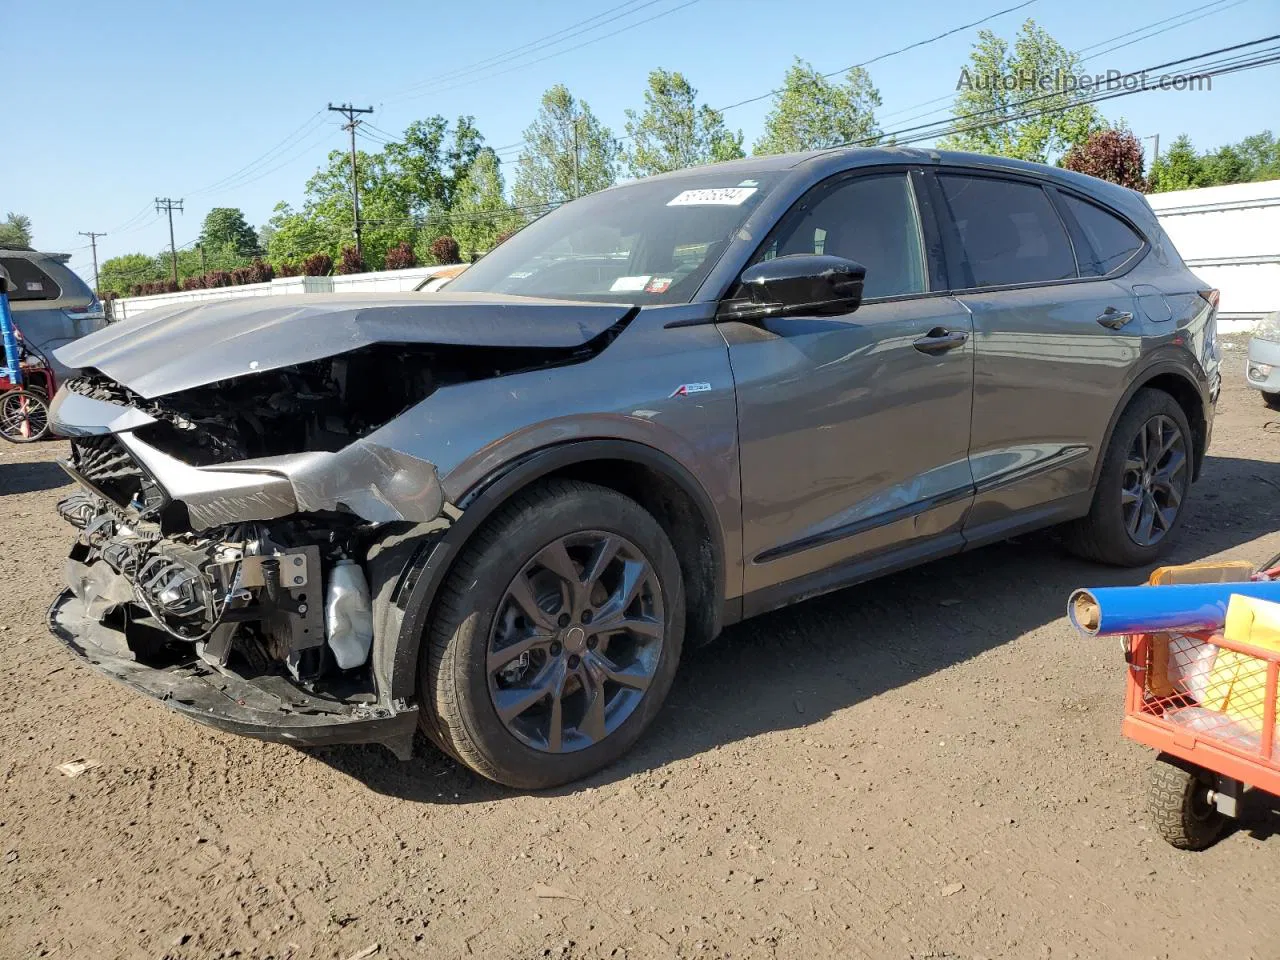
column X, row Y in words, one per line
column 1210, row 297
column 76, row 310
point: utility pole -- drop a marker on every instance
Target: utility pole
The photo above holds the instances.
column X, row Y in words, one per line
column 1155, row 149
column 577, row 173
column 93, row 242
column 348, row 111
column 168, row 206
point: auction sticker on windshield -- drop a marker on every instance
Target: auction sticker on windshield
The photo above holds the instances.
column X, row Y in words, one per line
column 711, row 197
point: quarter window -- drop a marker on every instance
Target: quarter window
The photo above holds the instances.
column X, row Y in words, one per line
column 869, row 219
column 1112, row 240
column 30, row 282
column 1009, row 231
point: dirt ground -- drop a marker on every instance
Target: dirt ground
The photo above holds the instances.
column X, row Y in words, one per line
column 925, row 766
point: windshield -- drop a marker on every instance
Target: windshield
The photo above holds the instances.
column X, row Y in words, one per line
column 649, row 242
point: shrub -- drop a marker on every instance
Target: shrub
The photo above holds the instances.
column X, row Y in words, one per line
column 351, row 262
column 260, row 272
column 168, row 286
column 217, row 278
column 241, row 275
column 445, row 250
column 1114, row 155
column 504, row 236
column 317, row 265
column 193, row 283
column 135, row 289
column 400, row 257
column 288, row 269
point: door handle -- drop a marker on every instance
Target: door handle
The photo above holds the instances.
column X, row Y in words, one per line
column 939, row 340
column 1114, row 319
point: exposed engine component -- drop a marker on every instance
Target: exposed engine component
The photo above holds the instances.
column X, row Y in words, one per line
column 245, row 589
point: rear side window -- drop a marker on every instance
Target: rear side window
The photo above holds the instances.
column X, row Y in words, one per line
column 1112, row 240
column 30, row 282
column 870, row 219
column 1009, row 231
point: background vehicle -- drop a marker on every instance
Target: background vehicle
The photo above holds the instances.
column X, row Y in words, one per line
column 51, row 305
column 654, row 411
column 1262, row 371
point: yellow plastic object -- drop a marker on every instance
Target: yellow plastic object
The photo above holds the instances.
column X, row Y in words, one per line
column 1237, row 683
column 1160, row 682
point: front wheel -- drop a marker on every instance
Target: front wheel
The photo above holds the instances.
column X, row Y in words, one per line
column 555, row 638
column 1142, row 488
column 1272, row 400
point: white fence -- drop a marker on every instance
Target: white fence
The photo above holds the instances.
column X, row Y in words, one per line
column 385, row 280
column 1230, row 237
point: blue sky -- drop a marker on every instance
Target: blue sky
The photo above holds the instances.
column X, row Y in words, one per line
column 119, row 103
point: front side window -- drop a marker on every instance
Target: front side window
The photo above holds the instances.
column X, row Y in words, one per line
column 650, row 242
column 30, row 282
column 868, row 219
column 1009, row 231
column 1112, row 240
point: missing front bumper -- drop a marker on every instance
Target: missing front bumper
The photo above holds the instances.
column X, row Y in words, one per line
column 270, row 707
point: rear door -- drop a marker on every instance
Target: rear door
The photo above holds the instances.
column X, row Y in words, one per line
column 854, row 430
column 1053, row 346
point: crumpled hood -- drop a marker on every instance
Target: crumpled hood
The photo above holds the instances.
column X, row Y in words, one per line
column 167, row 350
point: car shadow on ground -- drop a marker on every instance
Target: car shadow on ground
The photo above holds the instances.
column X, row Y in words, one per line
column 18, row 478
column 796, row 666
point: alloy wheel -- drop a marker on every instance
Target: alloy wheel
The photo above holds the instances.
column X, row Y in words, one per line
column 576, row 641
column 1154, row 481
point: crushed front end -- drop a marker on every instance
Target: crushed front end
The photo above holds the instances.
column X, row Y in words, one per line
column 219, row 564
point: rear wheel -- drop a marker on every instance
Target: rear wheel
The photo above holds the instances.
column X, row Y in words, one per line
column 1142, row 487
column 555, row 638
column 1178, row 799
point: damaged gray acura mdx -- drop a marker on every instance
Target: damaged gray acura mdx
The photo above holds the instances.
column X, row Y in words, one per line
column 499, row 512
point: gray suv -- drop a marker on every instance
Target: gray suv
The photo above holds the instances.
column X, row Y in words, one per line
column 498, row 513
column 51, row 305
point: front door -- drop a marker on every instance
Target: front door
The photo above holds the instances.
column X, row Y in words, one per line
column 854, row 430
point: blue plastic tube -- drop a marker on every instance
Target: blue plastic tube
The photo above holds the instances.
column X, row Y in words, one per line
column 1105, row 611
column 12, row 358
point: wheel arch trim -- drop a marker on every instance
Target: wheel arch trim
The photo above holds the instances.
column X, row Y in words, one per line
column 1143, row 379
column 426, row 555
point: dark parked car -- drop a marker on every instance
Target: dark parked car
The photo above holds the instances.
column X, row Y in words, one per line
column 499, row 512
column 51, row 305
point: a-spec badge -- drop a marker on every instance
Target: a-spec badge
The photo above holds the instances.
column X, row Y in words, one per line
column 687, row 388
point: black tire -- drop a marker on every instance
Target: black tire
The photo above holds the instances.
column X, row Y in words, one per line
column 1101, row 535
column 1179, row 805
column 453, row 676
column 1272, row 400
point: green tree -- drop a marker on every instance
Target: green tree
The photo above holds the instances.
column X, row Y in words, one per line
column 1262, row 151
column 15, row 231
column 1003, row 81
column 673, row 132
column 295, row 236
column 480, row 210
column 430, row 160
column 568, row 152
column 227, row 227
column 812, row 113
column 1178, row 168
column 120, row 273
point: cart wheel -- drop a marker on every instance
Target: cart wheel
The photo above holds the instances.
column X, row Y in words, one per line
column 1178, row 799
column 24, row 416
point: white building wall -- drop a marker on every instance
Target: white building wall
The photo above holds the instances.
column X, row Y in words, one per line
column 1230, row 237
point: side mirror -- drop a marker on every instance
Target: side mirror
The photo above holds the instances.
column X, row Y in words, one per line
column 802, row 283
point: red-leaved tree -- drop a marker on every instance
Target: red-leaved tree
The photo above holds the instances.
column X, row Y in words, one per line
column 352, row 261
column 400, row 257
column 317, row 265
column 445, row 250
column 1114, row 155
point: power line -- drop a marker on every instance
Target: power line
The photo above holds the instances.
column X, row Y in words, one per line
column 262, row 158
column 515, row 53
